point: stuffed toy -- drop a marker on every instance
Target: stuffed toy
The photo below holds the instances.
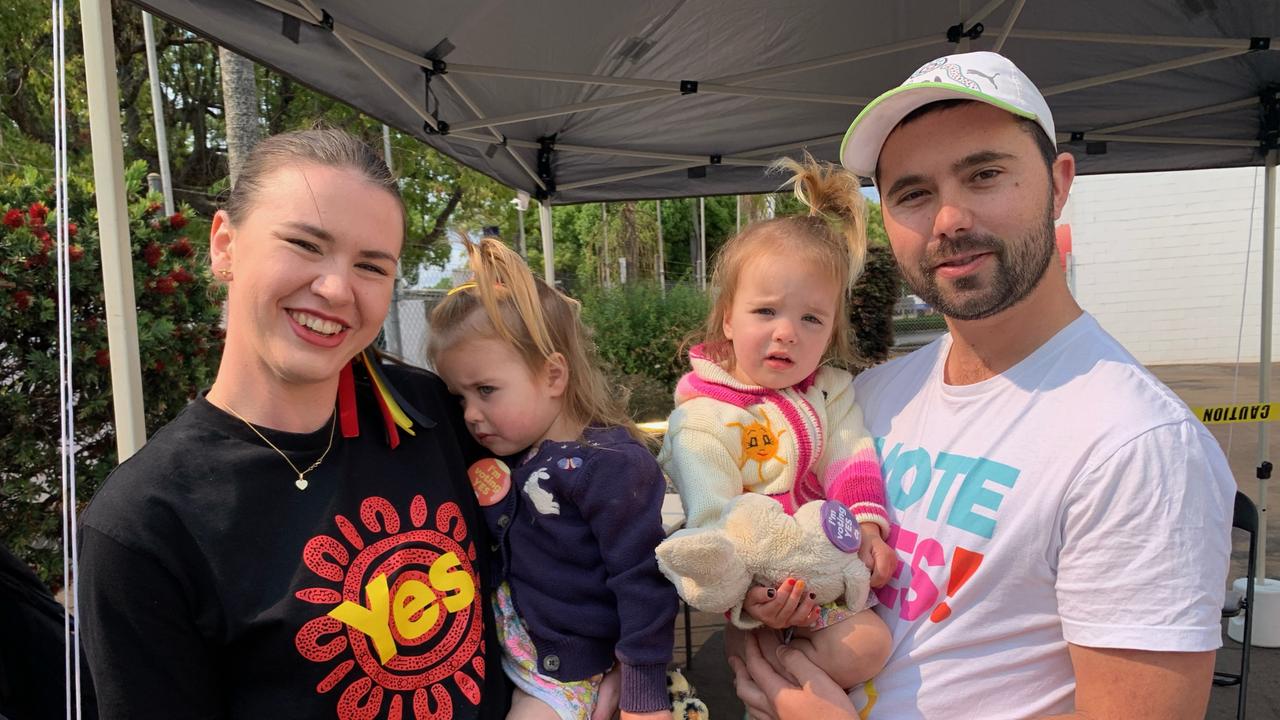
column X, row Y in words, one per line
column 684, row 704
column 756, row 542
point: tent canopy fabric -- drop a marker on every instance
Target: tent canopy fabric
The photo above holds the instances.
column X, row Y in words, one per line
column 695, row 97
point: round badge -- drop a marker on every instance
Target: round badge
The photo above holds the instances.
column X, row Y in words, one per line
column 491, row 479
column 840, row 526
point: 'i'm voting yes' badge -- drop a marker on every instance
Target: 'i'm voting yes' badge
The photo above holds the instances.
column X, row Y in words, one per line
column 840, row 526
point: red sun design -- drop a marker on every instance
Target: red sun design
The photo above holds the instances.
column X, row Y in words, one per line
column 399, row 615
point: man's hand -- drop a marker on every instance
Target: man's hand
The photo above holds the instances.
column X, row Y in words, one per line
column 788, row 605
column 796, row 690
column 880, row 559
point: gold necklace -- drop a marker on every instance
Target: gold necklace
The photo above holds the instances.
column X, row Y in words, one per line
column 301, row 482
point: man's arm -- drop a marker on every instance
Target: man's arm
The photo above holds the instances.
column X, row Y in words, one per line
column 1139, row 684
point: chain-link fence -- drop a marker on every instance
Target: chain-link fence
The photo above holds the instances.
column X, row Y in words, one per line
column 915, row 323
column 406, row 330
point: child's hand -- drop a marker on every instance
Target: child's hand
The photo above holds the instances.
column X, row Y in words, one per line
column 788, row 605
column 880, row 559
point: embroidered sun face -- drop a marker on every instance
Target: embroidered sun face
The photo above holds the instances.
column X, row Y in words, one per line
column 759, row 444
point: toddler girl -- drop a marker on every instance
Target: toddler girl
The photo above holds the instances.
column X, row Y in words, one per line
column 761, row 412
column 576, row 517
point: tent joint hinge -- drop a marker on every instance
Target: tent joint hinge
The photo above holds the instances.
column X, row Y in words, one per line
column 1269, row 136
column 688, row 87
column 1259, row 43
column 326, row 20
column 546, row 152
column 957, row 32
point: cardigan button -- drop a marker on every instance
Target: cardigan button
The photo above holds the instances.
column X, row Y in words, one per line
column 551, row 662
column 504, row 521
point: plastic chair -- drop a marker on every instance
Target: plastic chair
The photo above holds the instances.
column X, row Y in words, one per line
column 1244, row 518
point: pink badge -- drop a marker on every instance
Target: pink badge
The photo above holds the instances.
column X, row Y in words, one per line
column 491, row 479
column 841, row 530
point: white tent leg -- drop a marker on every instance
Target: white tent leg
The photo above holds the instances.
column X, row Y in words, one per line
column 548, row 244
column 113, row 226
column 157, row 114
column 1264, row 353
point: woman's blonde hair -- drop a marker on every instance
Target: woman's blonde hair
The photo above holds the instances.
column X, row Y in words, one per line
column 833, row 235
column 504, row 301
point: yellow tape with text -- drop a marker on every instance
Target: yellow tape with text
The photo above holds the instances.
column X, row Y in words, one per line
column 1243, row 413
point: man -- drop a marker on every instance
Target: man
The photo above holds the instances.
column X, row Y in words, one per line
column 1062, row 519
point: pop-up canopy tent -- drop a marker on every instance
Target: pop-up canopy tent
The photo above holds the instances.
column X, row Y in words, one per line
column 587, row 100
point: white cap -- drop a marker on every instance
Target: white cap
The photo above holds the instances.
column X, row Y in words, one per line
column 983, row 76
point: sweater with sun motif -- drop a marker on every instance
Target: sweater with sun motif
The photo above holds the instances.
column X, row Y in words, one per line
column 802, row 443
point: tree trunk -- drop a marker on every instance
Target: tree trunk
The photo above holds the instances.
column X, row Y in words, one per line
column 240, row 105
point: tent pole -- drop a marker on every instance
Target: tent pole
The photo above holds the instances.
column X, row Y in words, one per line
column 662, row 265
column 392, row 324
column 157, row 114
column 113, row 226
column 548, row 243
column 1264, row 354
column 702, row 242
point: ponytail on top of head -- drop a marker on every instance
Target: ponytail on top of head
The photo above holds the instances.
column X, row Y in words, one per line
column 834, row 195
column 505, row 301
column 832, row 236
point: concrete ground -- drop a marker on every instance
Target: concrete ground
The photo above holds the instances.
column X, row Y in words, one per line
column 1197, row 385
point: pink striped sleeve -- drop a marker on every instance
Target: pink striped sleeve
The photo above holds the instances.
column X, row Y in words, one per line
column 856, row 482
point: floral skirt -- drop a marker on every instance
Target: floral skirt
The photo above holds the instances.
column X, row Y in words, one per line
column 571, row 700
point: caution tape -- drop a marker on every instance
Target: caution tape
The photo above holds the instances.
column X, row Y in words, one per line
column 1244, row 413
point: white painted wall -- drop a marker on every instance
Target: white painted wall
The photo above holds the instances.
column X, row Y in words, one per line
column 1163, row 261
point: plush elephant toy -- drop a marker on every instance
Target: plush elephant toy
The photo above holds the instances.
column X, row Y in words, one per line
column 756, row 542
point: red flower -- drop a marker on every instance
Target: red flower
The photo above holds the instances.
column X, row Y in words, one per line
column 75, row 252
column 46, row 240
column 165, row 285
column 103, row 358
column 177, row 221
column 13, row 219
column 22, row 299
column 155, row 225
column 37, row 260
column 181, row 275
column 151, row 254
column 72, row 229
column 159, row 366
column 154, row 208
column 38, row 212
column 91, row 324
column 181, row 248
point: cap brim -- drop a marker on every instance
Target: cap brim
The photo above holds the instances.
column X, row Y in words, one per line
column 860, row 149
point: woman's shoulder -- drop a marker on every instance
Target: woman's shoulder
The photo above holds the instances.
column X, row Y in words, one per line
column 148, row 488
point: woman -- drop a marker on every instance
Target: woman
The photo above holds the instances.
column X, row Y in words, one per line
column 268, row 553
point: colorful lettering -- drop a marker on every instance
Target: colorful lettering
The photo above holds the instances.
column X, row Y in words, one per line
column 414, row 609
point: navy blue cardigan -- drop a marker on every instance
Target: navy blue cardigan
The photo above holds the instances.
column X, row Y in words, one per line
column 576, row 536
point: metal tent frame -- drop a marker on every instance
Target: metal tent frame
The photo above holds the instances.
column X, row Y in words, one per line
column 346, row 48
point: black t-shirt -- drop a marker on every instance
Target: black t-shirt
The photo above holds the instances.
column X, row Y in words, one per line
column 212, row 587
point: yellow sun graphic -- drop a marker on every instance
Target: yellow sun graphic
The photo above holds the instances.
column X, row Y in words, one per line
column 759, row 444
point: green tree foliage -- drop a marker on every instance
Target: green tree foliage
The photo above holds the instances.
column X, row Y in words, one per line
column 178, row 335
column 640, row 333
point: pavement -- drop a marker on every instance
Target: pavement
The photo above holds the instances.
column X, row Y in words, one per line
column 1197, row 385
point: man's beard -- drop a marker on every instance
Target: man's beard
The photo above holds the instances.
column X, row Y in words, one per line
column 1018, row 270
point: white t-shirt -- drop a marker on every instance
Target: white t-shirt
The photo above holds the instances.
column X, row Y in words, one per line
column 1073, row 498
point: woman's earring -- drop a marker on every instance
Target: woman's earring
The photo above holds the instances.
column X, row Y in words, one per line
column 225, row 274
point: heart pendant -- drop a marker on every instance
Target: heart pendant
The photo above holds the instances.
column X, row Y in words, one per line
column 301, row 483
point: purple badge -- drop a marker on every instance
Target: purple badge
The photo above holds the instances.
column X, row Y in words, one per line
column 840, row 527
